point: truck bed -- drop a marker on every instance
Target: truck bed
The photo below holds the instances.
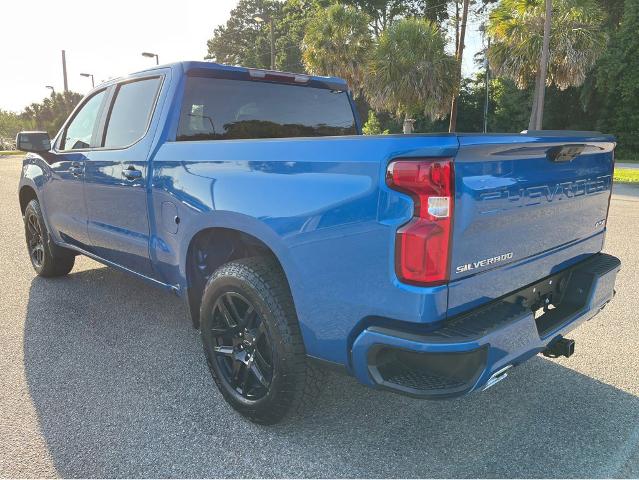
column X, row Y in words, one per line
column 323, row 206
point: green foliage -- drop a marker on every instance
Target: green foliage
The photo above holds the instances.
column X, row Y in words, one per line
column 244, row 41
column 338, row 43
column 509, row 107
column 618, row 82
column 373, row 126
column 410, row 71
column 292, row 27
column 50, row 114
column 384, row 12
column 577, row 40
column 10, row 124
column 587, row 89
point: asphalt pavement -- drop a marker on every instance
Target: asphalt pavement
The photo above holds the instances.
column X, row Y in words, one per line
column 103, row 376
column 626, row 165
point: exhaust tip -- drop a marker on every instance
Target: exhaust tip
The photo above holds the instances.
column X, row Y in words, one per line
column 497, row 377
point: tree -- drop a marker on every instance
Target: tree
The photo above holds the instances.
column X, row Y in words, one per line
column 373, row 125
column 383, row 13
column 537, row 114
column 459, row 56
column 242, row 40
column 410, row 71
column 338, row 43
column 10, row 124
column 50, row 114
column 576, row 41
column 618, row 82
column 293, row 22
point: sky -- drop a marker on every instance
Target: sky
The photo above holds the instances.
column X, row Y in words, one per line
column 107, row 39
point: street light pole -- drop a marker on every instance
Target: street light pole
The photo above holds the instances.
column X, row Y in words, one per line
column 89, row 75
column 151, row 55
column 64, row 70
column 52, row 89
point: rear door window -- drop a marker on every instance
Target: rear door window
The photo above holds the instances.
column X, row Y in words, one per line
column 221, row 109
column 131, row 112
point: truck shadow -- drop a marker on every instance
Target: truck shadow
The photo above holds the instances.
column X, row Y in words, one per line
column 117, row 377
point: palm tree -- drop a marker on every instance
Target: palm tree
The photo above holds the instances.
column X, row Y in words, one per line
column 338, row 42
column 459, row 56
column 409, row 71
column 576, row 41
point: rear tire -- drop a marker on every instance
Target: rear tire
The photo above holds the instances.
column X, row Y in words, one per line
column 252, row 341
column 47, row 259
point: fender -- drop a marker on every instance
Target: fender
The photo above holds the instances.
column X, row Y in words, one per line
column 242, row 223
column 33, row 172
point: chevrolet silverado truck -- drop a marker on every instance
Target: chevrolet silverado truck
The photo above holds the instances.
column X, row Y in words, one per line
column 427, row 265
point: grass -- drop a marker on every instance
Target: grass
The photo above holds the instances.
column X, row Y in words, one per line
column 626, row 175
column 11, row 152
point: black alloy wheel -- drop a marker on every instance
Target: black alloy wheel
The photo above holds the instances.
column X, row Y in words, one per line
column 242, row 348
column 35, row 241
column 47, row 259
column 253, row 343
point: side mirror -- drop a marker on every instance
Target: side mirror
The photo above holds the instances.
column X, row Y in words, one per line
column 37, row 142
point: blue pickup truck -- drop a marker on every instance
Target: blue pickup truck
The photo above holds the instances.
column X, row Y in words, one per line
column 427, row 265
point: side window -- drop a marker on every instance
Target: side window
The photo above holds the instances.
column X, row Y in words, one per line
column 78, row 133
column 130, row 113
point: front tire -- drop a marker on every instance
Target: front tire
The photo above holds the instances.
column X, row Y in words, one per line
column 253, row 343
column 47, row 259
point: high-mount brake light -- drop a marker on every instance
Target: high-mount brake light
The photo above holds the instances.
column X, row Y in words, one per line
column 422, row 246
column 269, row 75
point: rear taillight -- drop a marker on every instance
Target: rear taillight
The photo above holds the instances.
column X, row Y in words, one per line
column 422, row 245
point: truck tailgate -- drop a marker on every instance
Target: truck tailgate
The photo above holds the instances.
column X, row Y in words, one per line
column 522, row 197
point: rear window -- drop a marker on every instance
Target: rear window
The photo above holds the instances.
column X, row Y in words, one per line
column 221, row 109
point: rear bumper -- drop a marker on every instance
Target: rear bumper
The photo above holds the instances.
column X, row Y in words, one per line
column 464, row 352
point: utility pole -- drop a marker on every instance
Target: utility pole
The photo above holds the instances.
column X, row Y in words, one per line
column 64, row 71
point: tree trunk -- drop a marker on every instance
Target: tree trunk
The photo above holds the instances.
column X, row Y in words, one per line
column 532, row 124
column 272, row 34
column 408, row 124
column 456, row 26
column 543, row 67
column 459, row 56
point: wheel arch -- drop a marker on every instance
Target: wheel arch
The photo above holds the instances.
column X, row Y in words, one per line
column 212, row 247
column 25, row 195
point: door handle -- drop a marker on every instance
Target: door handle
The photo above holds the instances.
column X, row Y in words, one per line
column 75, row 169
column 131, row 173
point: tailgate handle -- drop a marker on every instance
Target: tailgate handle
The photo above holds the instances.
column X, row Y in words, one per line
column 564, row 153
